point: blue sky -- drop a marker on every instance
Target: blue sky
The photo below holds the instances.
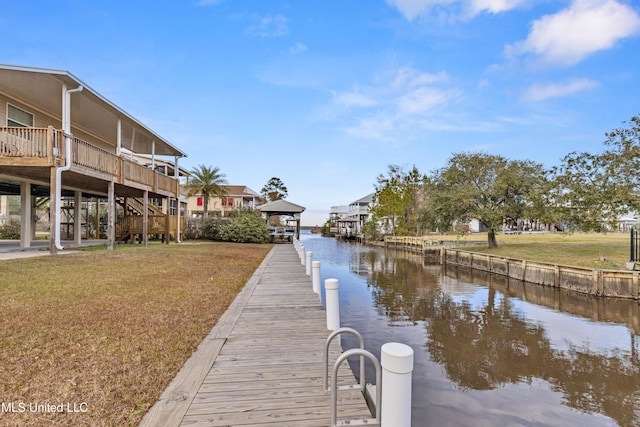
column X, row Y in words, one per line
column 325, row 94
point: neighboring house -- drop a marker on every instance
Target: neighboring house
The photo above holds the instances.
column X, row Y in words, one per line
column 350, row 225
column 335, row 214
column 238, row 197
column 62, row 140
column 626, row 222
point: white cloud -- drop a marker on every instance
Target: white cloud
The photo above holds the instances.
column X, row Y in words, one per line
column 573, row 34
column 269, row 26
column 412, row 9
column 540, row 92
column 421, row 100
column 208, row 2
column 377, row 128
column 408, row 78
column 493, row 6
column 397, row 106
column 298, row 48
column 353, row 99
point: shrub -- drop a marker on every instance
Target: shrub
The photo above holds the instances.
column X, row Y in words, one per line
column 10, row 230
column 211, row 228
column 192, row 229
column 245, row 227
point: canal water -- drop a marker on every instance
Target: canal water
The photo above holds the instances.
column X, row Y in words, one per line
column 489, row 351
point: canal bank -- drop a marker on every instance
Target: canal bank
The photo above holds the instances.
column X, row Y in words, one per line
column 608, row 283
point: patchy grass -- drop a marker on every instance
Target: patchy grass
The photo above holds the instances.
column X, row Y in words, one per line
column 104, row 332
column 591, row 250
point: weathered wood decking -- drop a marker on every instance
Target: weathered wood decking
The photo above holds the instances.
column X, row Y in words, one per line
column 262, row 363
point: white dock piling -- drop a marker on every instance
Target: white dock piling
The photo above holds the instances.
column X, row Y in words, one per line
column 315, row 276
column 308, row 263
column 333, row 304
column 397, row 368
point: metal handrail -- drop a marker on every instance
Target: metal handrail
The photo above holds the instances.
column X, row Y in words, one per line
column 326, row 356
column 334, row 390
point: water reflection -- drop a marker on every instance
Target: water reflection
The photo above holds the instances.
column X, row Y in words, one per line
column 508, row 353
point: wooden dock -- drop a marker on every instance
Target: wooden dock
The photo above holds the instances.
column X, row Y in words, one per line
column 262, row 362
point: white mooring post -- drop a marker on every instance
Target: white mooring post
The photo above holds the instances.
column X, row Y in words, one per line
column 333, row 304
column 315, row 276
column 397, row 367
column 302, row 254
column 308, row 263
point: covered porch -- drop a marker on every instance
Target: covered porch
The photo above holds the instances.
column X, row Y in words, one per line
column 84, row 148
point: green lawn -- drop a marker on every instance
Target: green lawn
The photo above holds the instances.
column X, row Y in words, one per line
column 603, row 251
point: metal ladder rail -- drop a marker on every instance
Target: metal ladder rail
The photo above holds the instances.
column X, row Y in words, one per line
column 326, row 357
column 334, row 390
column 363, row 384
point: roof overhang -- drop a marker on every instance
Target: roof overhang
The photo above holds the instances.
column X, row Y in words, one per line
column 41, row 90
column 281, row 207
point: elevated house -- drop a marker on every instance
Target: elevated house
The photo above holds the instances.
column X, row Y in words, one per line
column 335, row 214
column 64, row 141
column 238, row 197
column 350, row 225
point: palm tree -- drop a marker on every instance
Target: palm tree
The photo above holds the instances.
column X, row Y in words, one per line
column 207, row 181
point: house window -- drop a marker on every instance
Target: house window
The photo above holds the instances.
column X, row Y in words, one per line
column 19, row 118
column 199, row 201
column 227, row 202
column 172, row 206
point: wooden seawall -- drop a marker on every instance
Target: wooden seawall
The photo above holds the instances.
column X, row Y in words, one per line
column 262, row 362
column 609, row 283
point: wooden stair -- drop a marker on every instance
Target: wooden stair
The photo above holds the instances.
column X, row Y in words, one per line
column 131, row 224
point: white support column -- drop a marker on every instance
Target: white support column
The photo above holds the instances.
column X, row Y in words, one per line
column 4, row 207
column 53, row 211
column 176, row 175
column 25, row 215
column 119, row 137
column 133, row 140
column 77, row 217
column 153, row 155
column 145, row 219
column 111, row 216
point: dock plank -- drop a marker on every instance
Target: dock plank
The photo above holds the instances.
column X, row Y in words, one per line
column 266, row 366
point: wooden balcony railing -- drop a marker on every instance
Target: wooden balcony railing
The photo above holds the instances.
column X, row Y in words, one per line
column 95, row 158
column 45, row 147
column 38, row 143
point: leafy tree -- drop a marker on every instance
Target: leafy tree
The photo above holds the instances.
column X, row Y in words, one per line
column 488, row 188
column 623, row 160
column 207, row 181
column 274, row 190
column 397, row 197
column 432, row 215
column 591, row 191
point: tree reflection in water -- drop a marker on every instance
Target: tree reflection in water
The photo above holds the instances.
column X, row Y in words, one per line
column 483, row 346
